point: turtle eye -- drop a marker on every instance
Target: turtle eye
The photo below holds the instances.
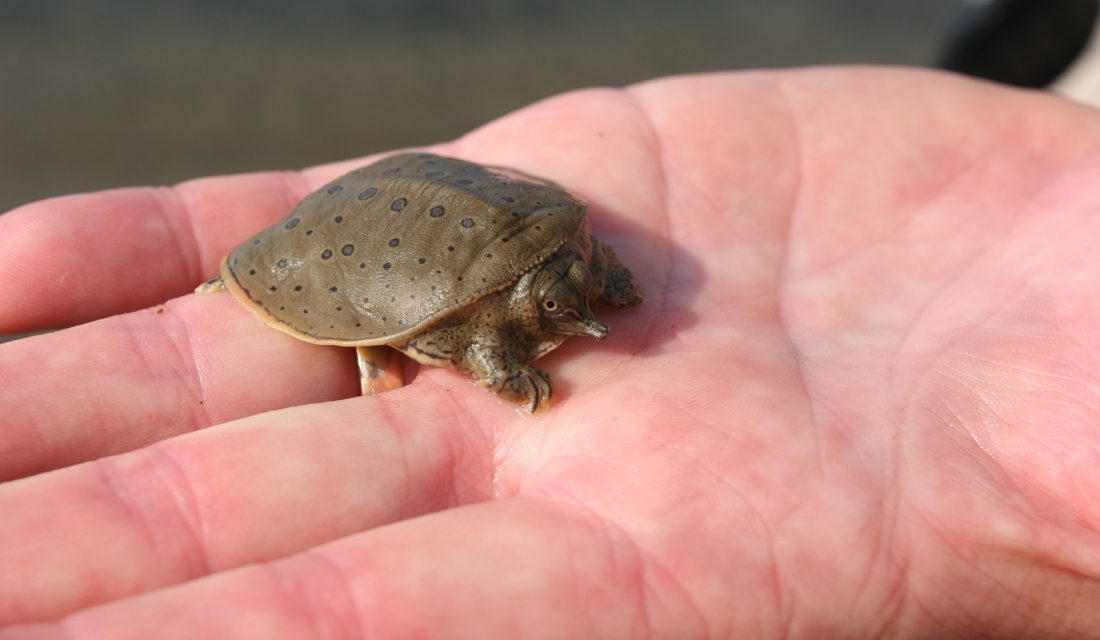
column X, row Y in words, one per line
column 550, row 305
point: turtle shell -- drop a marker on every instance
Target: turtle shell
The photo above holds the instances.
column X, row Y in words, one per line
column 383, row 251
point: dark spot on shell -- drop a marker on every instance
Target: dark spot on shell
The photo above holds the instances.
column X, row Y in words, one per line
column 338, row 219
column 347, row 249
column 339, row 308
column 507, row 198
column 297, row 287
column 363, row 195
column 464, row 181
column 488, row 255
column 332, row 289
column 282, row 308
column 305, row 310
column 326, row 254
column 538, row 227
column 358, row 324
column 451, row 248
column 422, row 260
column 273, row 288
column 256, row 241
column 394, row 242
column 251, row 272
column 504, row 239
column 334, row 188
column 330, row 326
column 400, row 322
column 483, row 280
column 293, row 222
column 366, row 300
column 309, row 232
column 412, row 296
column 460, row 278
column 467, row 222
column 281, row 263
column 387, row 266
column 399, row 204
column 437, row 211
column 383, row 318
column 362, row 265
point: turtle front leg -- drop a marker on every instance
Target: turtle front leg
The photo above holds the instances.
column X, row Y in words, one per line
column 510, row 378
column 619, row 288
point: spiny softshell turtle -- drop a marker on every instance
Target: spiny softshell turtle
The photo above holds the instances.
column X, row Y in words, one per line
column 458, row 265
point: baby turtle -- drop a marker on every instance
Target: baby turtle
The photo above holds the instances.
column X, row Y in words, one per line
column 457, row 265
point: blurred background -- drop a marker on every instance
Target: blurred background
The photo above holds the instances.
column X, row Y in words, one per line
column 103, row 93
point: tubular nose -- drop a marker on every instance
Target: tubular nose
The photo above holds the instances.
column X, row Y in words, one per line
column 596, row 329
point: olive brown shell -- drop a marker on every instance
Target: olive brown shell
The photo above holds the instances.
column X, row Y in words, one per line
column 383, row 251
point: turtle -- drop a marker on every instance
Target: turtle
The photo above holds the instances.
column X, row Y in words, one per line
column 475, row 268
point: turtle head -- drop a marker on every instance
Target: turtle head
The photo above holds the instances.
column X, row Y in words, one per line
column 562, row 297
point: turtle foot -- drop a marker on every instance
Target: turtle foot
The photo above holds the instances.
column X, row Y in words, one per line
column 620, row 289
column 525, row 386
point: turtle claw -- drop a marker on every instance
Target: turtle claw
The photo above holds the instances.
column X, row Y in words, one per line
column 525, row 386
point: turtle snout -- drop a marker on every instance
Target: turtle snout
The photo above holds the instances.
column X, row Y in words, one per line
column 575, row 324
column 596, row 329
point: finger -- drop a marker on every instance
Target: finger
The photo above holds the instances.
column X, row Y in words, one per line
column 76, row 258
column 515, row 568
column 242, row 492
column 126, row 381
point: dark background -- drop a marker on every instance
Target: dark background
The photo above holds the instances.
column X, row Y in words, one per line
column 124, row 92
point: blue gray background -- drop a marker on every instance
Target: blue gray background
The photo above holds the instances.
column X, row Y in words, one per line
column 124, row 92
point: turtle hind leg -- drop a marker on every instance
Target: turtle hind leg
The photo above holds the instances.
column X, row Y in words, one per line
column 620, row 289
column 211, row 286
column 379, row 369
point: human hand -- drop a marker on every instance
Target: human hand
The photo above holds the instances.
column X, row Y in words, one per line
column 860, row 399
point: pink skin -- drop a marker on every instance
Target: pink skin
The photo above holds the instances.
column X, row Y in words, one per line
column 860, row 400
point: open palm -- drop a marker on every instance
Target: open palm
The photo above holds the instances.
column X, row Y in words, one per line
column 862, row 397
